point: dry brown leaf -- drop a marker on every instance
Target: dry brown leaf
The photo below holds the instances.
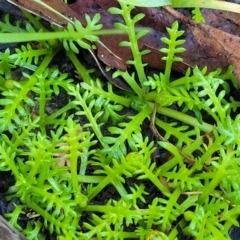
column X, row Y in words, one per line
column 43, row 12
column 213, row 40
column 205, row 45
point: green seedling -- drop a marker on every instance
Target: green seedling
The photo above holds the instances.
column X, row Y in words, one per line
column 61, row 166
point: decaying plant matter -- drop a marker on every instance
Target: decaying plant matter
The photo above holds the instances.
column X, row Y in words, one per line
column 205, row 45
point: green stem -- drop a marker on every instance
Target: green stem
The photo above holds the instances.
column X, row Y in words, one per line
column 217, row 234
column 34, row 21
column 79, row 67
column 205, row 127
column 208, row 189
column 130, row 79
column 182, row 117
column 106, row 181
column 170, row 205
column 52, row 119
column 134, row 44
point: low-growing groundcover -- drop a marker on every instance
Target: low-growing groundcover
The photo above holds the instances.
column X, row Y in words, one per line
column 158, row 162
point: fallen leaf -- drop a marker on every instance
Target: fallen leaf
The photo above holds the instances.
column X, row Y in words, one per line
column 216, row 42
column 45, row 13
column 205, row 45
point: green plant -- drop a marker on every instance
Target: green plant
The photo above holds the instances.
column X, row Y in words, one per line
column 61, row 166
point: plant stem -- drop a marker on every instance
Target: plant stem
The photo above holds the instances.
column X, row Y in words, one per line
column 205, row 127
